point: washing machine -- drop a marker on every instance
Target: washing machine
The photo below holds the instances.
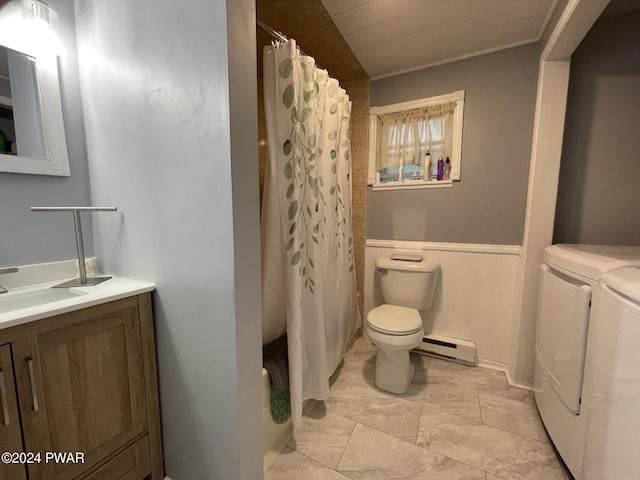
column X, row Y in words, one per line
column 565, row 339
column 612, row 447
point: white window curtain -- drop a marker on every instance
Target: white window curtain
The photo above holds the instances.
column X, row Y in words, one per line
column 404, row 138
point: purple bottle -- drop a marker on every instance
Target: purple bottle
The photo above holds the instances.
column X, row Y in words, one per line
column 440, row 169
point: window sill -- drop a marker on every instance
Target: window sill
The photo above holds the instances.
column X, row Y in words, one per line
column 412, row 185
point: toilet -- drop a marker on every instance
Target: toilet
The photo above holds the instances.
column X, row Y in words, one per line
column 408, row 284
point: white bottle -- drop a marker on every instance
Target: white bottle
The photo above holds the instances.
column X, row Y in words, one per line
column 426, row 167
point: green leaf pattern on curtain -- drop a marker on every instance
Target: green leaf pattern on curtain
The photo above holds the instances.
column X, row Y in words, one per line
column 308, row 261
column 317, row 194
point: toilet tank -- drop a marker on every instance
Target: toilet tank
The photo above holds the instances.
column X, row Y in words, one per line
column 406, row 283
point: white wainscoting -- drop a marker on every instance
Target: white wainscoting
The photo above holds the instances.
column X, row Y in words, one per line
column 475, row 293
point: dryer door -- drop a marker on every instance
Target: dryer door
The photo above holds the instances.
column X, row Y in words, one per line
column 561, row 337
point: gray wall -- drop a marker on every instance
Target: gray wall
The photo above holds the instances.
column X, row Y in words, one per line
column 164, row 147
column 599, row 190
column 243, row 103
column 27, row 237
column 487, row 205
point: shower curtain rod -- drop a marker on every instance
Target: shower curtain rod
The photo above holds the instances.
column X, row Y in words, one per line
column 279, row 36
column 271, row 31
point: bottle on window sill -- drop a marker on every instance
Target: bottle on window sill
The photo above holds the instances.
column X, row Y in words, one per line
column 447, row 169
column 433, row 175
column 426, row 171
column 440, row 174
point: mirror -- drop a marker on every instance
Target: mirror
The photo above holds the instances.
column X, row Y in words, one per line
column 22, row 130
column 32, row 136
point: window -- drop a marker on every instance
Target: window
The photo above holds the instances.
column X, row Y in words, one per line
column 404, row 134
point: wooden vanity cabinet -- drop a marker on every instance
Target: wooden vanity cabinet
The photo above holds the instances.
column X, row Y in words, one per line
column 86, row 383
column 10, row 431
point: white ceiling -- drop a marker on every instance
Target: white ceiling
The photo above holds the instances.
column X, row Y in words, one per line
column 389, row 37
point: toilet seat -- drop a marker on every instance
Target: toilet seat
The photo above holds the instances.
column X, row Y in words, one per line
column 394, row 320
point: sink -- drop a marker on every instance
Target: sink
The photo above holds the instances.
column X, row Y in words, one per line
column 37, row 301
column 10, row 302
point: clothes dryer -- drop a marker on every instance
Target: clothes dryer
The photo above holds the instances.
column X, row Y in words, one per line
column 612, row 447
column 567, row 318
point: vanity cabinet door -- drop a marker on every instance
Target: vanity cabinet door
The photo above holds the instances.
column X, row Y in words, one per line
column 10, row 434
column 81, row 390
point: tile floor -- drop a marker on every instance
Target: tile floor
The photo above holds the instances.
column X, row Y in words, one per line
column 454, row 423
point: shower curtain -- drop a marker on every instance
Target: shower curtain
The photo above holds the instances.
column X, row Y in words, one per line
column 308, row 273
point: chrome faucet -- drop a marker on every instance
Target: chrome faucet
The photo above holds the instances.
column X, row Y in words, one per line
column 3, row 271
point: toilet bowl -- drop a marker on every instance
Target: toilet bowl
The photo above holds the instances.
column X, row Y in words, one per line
column 407, row 283
column 395, row 331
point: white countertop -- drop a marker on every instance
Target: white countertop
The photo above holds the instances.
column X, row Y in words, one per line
column 38, row 301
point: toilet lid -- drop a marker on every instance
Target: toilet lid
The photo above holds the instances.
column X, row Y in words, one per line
column 395, row 320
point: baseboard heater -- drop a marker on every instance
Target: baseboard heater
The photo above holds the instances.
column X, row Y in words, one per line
column 448, row 348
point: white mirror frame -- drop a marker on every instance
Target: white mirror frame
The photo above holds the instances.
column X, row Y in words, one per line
column 57, row 163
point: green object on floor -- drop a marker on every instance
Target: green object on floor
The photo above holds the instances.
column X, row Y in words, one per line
column 280, row 405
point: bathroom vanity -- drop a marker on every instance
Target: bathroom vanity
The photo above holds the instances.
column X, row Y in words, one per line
column 78, row 378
